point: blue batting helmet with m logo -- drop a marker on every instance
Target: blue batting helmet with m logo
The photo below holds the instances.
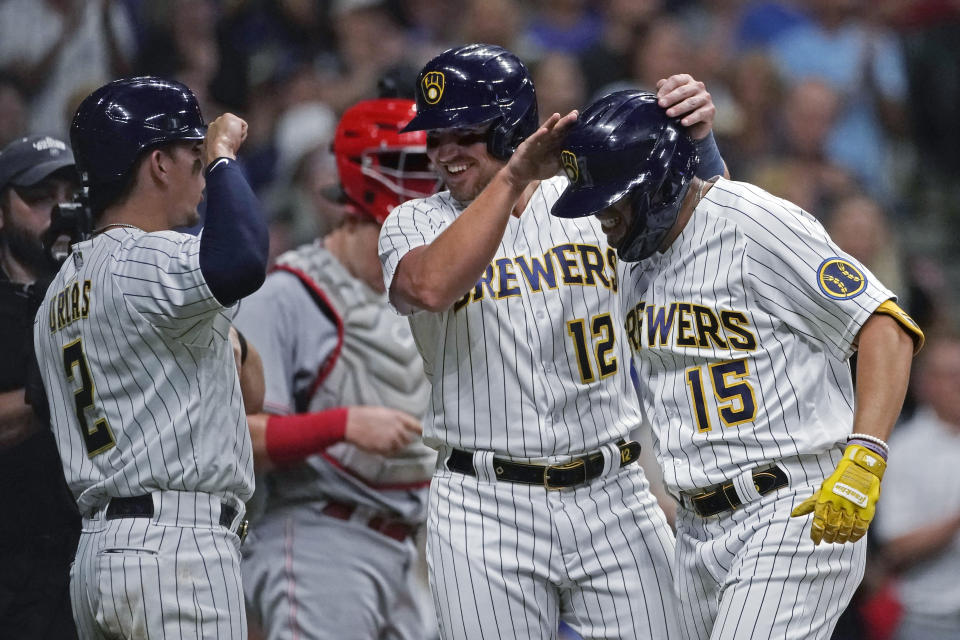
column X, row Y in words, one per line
column 476, row 84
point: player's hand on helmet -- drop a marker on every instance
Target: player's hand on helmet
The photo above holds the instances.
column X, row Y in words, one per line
column 224, row 137
column 845, row 504
column 381, row 430
column 686, row 98
column 538, row 157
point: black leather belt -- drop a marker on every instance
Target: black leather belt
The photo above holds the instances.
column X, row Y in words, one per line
column 142, row 507
column 723, row 496
column 554, row 476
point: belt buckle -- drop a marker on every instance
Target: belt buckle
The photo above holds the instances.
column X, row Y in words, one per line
column 242, row 529
column 573, row 464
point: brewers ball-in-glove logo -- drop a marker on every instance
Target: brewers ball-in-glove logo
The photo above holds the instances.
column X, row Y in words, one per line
column 570, row 167
column 432, row 86
column 840, row 279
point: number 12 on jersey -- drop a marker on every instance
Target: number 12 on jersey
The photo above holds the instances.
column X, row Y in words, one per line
column 601, row 328
column 736, row 402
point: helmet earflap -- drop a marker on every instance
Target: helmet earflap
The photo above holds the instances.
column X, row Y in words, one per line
column 505, row 137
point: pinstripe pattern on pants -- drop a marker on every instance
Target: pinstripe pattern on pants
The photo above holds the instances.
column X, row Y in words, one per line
column 157, row 578
column 577, row 554
column 754, row 573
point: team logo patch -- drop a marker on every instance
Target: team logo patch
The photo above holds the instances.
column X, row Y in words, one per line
column 570, row 167
column 432, row 87
column 840, row 279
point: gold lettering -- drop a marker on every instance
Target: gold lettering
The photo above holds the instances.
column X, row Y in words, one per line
column 684, row 324
column 74, row 302
column 593, row 265
column 742, row 339
column 85, row 310
column 708, row 327
column 61, row 304
column 568, row 264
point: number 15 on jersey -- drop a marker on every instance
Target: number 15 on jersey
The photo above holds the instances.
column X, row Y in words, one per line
column 736, row 402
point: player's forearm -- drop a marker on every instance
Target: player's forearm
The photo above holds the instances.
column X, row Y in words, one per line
column 711, row 163
column 234, row 244
column 257, row 424
column 907, row 550
column 883, row 371
column 252, row 385
column 284, row 440
column 436, row 275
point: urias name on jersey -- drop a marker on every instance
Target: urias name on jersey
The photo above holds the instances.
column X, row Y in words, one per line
column 72, row 304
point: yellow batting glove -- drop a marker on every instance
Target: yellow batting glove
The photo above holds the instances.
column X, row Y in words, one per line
column 844, row 506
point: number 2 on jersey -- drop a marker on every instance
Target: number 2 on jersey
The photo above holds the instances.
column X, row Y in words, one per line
column 736, row 402
column 99, row 438
column 601, row 326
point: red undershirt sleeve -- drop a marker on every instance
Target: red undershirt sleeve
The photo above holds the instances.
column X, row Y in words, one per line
column 290, row 439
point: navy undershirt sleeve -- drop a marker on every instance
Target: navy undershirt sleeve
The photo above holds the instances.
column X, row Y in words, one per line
column 234, row 243
column 711, row 163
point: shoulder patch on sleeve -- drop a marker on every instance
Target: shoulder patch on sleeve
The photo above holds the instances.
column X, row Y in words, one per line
column 840, row 279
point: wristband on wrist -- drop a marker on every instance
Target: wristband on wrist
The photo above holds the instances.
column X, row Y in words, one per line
column 711, row 163
column 290, row 439
column 873, row 443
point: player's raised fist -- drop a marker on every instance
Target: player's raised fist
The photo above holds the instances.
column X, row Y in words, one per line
column 224, row 137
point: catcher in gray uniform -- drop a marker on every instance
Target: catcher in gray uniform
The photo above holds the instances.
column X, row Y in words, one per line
column 332, row 556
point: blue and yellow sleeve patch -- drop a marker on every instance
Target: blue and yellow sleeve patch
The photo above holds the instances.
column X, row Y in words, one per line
column 893, row 310
column 840, row 279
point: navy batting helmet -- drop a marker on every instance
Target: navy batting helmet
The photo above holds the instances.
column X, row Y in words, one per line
column 624, row 144
column 475, row 84
column 116, row 123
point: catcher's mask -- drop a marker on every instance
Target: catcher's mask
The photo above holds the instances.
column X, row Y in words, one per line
column 379, row 165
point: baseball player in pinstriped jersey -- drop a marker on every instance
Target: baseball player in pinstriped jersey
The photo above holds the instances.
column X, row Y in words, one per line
column 333, row 554
column 133, row 345
column 741, row 315
column 536, row 511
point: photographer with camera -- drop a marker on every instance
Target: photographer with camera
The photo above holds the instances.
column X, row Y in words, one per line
column 36, row 546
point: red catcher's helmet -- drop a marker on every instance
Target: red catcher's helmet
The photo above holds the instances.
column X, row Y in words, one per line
column 380, row 167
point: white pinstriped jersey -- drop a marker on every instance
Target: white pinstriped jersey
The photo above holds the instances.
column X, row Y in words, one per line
column 741, row 331
column 139, row 371
column 528, row 363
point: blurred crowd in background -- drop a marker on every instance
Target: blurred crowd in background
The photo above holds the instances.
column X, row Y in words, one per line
column 846, row 107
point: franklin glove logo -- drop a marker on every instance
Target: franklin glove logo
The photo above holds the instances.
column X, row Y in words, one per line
column 851, row 494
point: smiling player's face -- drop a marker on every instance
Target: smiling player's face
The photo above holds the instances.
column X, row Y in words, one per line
column 615, row 221
column 461, row 158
